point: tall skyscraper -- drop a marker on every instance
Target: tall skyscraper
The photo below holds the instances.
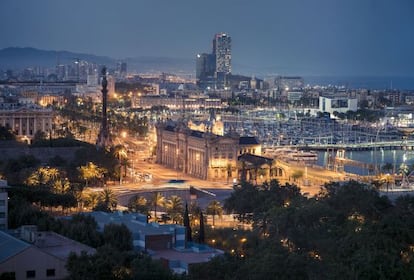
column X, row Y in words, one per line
column 222, row 52
column 205, row 70
column 213, row 70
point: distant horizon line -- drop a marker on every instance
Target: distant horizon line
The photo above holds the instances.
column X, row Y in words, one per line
column 258, row 73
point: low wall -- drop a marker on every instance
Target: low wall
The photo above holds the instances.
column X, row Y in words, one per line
column 41, row 153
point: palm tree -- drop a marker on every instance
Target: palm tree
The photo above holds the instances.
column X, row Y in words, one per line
column 120, row 153
column 175, row 208
column 61, row 185
column 157, row 200
column 108, row 198
column 45, row 176
column 90, row 171
column 214, row 208
column 194, row 211
column 92, row 200
column 139, row 204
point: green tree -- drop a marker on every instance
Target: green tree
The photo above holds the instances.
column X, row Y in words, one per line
column 157, row 199
column 90, row 171
column 6, row 134
column 138, row 204
column 43, row 176
column 107, row 200
column 187, row 225
column 145, row 268
column 201, row 232
column 120, row 152
column 91, row 200
column 118, row 236
column 175, row 208
column 82, row 228
column 214, row 208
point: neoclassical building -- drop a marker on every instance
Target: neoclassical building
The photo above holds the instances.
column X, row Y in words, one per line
column 202, row 154
column 26, row 120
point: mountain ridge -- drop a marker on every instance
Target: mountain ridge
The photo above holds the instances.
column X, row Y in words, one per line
column 18, row 58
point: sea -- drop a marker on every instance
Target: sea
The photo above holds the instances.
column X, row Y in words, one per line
column 378, row 158
column 366, row 82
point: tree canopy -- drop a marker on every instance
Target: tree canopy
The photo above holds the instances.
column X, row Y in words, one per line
column 348, row 231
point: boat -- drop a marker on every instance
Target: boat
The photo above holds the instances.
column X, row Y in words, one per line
column 308, row 156
column 293, row 154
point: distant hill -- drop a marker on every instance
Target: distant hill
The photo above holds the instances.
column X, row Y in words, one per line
column 16, row 58
column 19, row 58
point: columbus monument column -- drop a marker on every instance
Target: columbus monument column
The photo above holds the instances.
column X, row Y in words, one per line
column 104, row 138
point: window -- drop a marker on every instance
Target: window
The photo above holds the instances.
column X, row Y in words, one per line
column 8, row 275
column 50, row 272
column 2, row 202
column 30, row 273
column 2, row 215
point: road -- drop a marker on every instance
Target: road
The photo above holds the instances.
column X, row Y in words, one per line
column 158, row 176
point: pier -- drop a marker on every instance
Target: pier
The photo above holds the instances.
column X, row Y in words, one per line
column 385, row 145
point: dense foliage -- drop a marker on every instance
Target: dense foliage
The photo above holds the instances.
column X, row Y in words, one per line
column 348, row 231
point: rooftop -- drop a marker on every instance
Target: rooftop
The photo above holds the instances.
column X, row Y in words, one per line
column 10, row 246
column 187, row 257
column 248, row 140
column 136, row 223
column 60, row 246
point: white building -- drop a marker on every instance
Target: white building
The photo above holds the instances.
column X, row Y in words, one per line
column 25, row 121
column 340, row 104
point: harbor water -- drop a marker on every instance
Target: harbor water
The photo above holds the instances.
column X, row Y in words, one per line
column 375, row 157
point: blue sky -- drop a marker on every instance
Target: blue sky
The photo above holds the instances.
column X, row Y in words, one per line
column 305, row 37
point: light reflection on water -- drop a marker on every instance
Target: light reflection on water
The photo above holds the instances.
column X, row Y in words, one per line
column 378, row 157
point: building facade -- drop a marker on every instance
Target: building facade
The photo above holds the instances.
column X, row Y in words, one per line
column 176, row 103
column 32, row 254
column 288, row 82
column 222, row 52
column 340, row 104
column 201, row 154
column 205, row 70
column 25, row 121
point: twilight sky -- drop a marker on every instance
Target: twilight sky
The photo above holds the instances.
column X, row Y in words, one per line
column 306, row 37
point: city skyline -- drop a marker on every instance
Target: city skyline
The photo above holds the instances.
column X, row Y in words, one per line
column 295, row 37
